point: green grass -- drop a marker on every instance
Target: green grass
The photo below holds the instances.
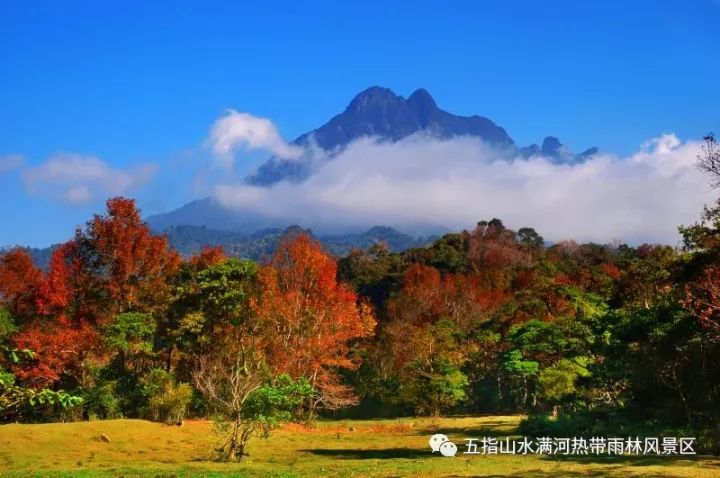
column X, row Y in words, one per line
column 335, row 448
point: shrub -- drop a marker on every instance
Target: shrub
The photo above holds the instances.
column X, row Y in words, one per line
column 167, row 401
column 102, row 401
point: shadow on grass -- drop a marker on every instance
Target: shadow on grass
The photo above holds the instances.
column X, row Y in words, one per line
column 638, row 460
column 490, row 427
column 371, row 454
column 467, row 432
column 570, row 474
column 620, row 469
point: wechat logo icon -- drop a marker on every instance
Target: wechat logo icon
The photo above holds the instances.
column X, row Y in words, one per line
column 441, row 443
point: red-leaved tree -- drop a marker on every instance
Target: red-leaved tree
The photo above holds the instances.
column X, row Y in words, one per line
column 19, row 282
column 312, row 319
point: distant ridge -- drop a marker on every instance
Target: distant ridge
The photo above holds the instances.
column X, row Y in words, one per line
column 262, row 244
column 188, row 240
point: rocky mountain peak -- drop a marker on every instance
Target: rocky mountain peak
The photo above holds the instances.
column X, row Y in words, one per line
column 373, row 98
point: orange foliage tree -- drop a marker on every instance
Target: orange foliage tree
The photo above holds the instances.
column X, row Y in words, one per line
column 703, row 299
column 59, row 338
column 60, row 347
column 207, row 256
column 433, row 334
column 494, row 250
column 312, row 319
column 133, row 264
column 19, row 282
column 115, row 265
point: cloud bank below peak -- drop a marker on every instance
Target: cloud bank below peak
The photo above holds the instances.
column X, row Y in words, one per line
column 456, row 182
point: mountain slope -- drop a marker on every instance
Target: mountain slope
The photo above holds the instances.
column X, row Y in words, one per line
column 262, row 244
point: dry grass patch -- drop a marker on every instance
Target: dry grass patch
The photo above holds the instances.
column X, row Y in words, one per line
column 376, row 448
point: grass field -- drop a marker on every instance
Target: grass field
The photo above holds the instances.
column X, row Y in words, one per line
column 334, row 448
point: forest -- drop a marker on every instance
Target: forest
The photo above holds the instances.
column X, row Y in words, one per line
column 582, row 339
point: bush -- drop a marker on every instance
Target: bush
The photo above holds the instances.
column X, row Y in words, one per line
column 102, row 401
column 167, row 401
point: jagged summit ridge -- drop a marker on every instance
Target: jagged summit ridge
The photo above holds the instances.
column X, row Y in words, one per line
column 380, row 112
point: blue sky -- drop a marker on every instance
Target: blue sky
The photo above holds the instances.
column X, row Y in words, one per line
column 142, row 82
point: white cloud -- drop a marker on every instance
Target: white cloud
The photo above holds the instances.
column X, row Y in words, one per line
column 455, row 183
column 236, row 131
column 10, row 162
column 78, row 195
column 79, row 179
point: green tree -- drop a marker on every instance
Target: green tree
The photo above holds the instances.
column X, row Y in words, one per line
column 242, row 392
column 131, row 336
column 523, row 371
column 560, row 379
column 207, row 297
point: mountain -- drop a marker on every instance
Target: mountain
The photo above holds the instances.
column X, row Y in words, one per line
column 262, row 244
column 381, row 113
column 206, row 212
column 394, row 240
column 559, row 153
column 377, row 112
column 40, row 255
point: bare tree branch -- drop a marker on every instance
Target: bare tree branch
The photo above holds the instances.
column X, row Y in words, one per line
column 709, row 158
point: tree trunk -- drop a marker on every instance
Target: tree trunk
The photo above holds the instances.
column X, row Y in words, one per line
column 235, row 446
column 313, row 402
column 499, row 387
column 310, row 420
column 123, row 365
column 683, row 398
column 168, row 365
